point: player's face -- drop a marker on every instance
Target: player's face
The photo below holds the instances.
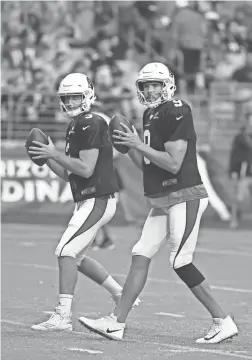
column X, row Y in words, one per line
column 152, row 90
column 73, row 101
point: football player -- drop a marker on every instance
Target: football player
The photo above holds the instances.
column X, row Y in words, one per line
column 88, row 165
column 172, row 183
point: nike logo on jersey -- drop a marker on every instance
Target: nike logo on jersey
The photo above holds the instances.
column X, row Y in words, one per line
column 179, row 117
column 112, row 331
column 88, row 116
column 85, row 127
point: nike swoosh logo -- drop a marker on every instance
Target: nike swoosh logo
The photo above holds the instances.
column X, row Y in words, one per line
column 112, row 331
column 209, row 338
column 85, row 127
column 178, row 118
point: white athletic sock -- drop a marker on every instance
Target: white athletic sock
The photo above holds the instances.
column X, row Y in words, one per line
column 112, row 286
column 65, row 302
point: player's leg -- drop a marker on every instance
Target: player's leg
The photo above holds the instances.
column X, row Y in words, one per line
column 96, row 272
column 84, row 224
column 184, row 221
column 82, row 229
column 237, row 197
column 153, row 236
column 133, row 286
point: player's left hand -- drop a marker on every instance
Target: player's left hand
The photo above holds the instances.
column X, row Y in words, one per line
column 43, row 151
column 128, row 138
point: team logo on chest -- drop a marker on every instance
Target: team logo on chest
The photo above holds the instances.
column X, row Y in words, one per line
column 151, row 117
column 71, row 131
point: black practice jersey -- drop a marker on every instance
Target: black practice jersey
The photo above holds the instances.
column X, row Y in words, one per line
column 90, row 131
column 171, row 121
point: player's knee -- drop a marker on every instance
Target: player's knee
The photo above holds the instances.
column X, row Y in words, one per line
column 190, row 275
column 140, row 250
column 179, row 260
column 79, row 259
column 64, row 251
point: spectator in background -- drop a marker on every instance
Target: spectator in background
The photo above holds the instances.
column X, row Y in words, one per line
column 103, row 56
column 245, row 73
column 225, row 68
column 237, row 30
column 240, row 169
column 34, row 28
column 189, row 29
column 13, row 51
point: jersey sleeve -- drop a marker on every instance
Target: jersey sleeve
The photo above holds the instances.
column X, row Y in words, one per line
column 178, row 123
column 90, row 135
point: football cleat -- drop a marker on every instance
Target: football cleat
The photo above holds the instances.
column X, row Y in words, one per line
column 106, row 326
column 58, row 321
column 221, row 329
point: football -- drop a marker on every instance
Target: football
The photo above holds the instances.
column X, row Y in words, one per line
column 115, row 124
column 36, row 135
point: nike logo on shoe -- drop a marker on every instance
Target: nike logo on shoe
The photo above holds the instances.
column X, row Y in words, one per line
column 209, row 338
column 112, row 331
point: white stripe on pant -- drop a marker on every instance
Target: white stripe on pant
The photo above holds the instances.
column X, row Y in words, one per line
column 87, row 219
column 171, row 223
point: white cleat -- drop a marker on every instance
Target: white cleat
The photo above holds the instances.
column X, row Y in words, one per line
column 221, row 329
column 116, row 298
column 106, row 326
column 57, row 322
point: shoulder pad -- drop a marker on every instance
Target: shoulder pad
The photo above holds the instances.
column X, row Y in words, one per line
column 102, row 116
column 145, row 112
column 180, row 107
column 90, row 116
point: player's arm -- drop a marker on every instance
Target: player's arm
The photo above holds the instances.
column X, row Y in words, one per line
column 136, row 157
column 88, row 141
column 171, row 159
column 83, row 166
column 57, row 169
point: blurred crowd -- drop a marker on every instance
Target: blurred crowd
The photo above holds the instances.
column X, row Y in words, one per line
column 42, row 41
column 202, row 42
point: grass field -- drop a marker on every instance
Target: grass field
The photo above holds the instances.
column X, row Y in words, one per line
column 164, row 326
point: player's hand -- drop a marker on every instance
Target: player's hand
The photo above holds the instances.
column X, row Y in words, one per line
column 43, row 151
column 127, row 137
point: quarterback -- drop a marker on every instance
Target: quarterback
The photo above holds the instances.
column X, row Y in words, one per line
column 88, row 165
column 172, row 183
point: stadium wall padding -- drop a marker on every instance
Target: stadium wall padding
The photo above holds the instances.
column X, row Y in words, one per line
column 32, row 193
